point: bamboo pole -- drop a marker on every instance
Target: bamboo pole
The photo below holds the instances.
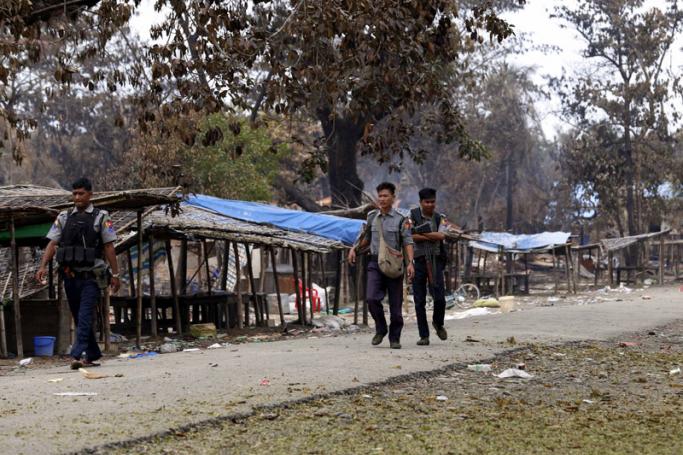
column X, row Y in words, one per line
column 277, row 287
column 303, row 288
column 299, row 300
column 152, row 291
column 324, row 278
column 15, row 290
column 138, row 319
column 338, row 282
column 174, row 287
column 610, row 267
column 661, row 260
column 309, row 275
column 252, row 285
column 238, row 286
column 555, row 266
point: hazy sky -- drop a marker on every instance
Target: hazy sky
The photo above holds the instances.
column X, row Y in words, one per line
column 534, row 21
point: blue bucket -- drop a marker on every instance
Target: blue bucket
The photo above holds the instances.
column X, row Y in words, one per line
column 44, row 346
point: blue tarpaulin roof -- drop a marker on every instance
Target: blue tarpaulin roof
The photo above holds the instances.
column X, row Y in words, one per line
column 491, row 241
column 343, row 230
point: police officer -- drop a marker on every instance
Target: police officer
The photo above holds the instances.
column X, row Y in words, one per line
column 430, row 259
column 396, row 232
column 82, row 238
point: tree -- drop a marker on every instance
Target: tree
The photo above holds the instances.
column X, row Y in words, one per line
column 621, row 149
column 362, row 68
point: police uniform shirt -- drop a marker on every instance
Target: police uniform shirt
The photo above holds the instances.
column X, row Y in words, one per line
column 103, row 225
column 392, row 228
column 429, row 248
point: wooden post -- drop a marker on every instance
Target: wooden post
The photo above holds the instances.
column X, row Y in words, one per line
column 3, row 333
column 252, row 286
column 183, row 266
column 131, row 277
column 174, row 288
column 469, row 255
column 277, row 287
column 64, row 334
column 324, row 278
column 577, row 268
column 299, row 300
column 152, row 291
column 610, row 257
column 303, row 287
column 238, row 286
column 206, row 264
column 138, row 319
column 15, row 290
column 338, row 282
column 226, row 262
column 567, row 268
column 555, row 265
column 677, row 258
column 661, row 260
column 597, row 266
column 310, row 284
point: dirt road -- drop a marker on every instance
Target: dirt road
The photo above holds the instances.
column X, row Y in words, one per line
column 152, row 395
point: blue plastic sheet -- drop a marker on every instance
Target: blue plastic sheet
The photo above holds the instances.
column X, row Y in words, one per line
column 343, row 230
column 491, row 241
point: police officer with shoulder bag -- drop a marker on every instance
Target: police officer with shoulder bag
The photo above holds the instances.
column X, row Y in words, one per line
column 82, row 239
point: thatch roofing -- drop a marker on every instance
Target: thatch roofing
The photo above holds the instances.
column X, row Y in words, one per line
column 620, row 243
column 31, row 204
column 200, row 223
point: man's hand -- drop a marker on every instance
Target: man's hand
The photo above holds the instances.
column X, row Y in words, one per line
column 352, row 256
column 115, row 285
column 40, row 275
column 410, row 271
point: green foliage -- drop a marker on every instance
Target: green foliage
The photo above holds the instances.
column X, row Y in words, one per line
column 233, row 160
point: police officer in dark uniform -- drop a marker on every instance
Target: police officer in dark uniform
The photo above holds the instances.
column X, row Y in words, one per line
column 396, row 233
column 82, row 239
column 430, row 260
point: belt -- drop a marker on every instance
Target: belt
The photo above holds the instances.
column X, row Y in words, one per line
column 80, row 275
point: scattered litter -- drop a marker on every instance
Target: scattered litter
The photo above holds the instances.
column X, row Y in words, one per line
column 675, row 371
column 26, row 362
column 480, row 367
column 511, row 340
column 521, row 366
column 367, row 396
column 168, row 348
column 441, row 398
column 270, row 416
column 75, row 394
column 89, row 375
column 117, row 338
column 118, row 375
column 515, row 373
column 264, row 382
column 216, row 346
column 648, row 282
column 207, row 330
column 472, row 312
column 213, row 365
column 553, row 299
column 55, row 380
column 588, row 401
column 469, row 339
column 628, row 344
column 167, row 339
column 191, row 350
column 647, row 297
column 139, row 355
column 487, row 303
column 559, row 354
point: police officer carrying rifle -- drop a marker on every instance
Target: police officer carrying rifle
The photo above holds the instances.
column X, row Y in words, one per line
column 82, row 238
column 430, row 259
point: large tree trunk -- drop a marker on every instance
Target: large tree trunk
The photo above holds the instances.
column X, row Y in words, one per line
column 342, row 136
column 631, row 252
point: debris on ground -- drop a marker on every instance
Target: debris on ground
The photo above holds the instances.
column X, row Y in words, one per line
column 487, row 303
column 628, row 344
column 25, row 362
column 90, row 375
column 169, row 348
column 54, row 380
column 441, row 398
column 207, row 330
column 514, row 373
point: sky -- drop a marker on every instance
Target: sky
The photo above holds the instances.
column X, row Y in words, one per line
column 533, row 21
